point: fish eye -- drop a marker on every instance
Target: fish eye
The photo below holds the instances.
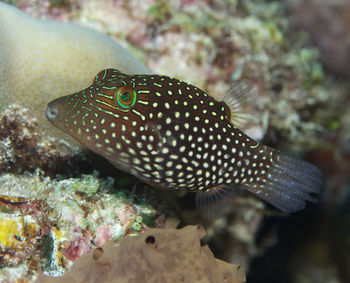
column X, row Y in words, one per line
column 126, row 98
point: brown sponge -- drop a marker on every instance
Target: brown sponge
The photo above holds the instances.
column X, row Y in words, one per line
column 158, row 255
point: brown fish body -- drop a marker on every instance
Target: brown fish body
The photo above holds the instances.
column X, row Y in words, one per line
column 173, row 135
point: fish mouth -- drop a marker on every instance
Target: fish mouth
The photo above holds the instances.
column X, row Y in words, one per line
column 52, row 112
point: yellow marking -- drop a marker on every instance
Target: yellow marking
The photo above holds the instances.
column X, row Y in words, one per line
column 139, row 114
column 143, row 102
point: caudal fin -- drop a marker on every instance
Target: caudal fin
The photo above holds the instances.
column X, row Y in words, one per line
column 288, row 183
column 283, row 181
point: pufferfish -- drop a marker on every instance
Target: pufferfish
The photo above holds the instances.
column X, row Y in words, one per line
column 171, row 134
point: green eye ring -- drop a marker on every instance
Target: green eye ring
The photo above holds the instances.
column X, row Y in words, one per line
column 126, row 98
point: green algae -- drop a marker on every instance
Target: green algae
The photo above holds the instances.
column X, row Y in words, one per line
column 138, row 219
column 160, row 11
column 136, row 226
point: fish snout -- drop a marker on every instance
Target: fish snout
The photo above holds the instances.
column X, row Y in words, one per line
column 52, row 111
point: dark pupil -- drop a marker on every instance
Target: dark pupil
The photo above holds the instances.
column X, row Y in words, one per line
column 126, row 96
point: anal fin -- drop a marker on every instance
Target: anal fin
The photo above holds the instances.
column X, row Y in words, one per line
column 218, row 201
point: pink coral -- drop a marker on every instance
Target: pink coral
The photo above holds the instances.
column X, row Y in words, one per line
column 80, row 246
column 125, row 214
column 103, row 234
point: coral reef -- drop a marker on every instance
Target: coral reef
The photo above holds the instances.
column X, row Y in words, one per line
column 49, row 223
column 24, row 148
column 300, row 109
column 20, row 234
column 41, row 60
column 158, row 255
column 235, row 236
column 328, row 24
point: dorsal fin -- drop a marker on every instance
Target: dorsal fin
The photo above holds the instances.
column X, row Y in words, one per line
column 238, row 99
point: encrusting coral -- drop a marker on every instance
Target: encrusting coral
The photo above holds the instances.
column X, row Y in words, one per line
column 47, row 224
column 41, row 60
column 327, row 23
column 158, row 255
column 24, row 148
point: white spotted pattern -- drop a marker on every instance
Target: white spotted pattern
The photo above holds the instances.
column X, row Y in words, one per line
column 174, row 136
